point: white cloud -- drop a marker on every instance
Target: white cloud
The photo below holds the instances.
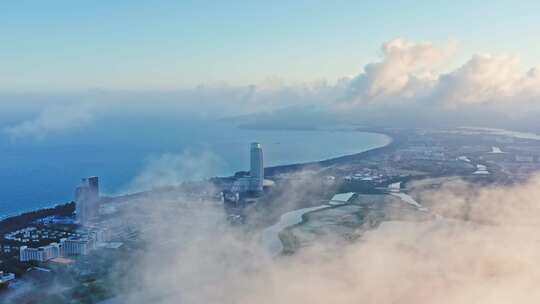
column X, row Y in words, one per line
column 172, row 169
column 485, row 250
column 409, row 74
column 53, row 120
column 412, row 77
column 406, row 69
column 486, row 79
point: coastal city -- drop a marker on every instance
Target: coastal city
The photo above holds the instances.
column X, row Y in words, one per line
column 344, row 197
column 269, row 152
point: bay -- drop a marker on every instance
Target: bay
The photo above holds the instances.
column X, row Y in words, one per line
column 36, row 173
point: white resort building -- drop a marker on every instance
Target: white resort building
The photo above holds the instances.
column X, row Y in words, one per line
column 66, row 247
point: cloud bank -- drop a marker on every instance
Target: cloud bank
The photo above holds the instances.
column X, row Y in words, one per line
column 488, row 79
column 173, row 169
column 484, row 250
column 53, row 120
column 413, row 82
column 406, row 69
column 408, row 74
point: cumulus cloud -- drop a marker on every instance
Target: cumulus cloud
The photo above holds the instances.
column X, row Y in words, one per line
column 486, row 79
column 409, row 73
column 406, row 69
column 53, row 120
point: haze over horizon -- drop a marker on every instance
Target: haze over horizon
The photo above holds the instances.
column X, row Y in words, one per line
column 407, row 85
column 404, row 62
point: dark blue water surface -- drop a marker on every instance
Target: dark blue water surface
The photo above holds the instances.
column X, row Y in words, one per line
column 35, row 173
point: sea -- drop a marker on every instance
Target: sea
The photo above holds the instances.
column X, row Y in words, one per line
column 43, row 171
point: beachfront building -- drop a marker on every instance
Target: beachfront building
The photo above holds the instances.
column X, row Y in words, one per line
column 40, row 254
column 256, row 172
column 66, row 247
column 77, row 246
column 87, row 200
column 248, row 186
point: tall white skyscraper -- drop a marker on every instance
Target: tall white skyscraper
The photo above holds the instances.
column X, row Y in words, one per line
column 256, row 172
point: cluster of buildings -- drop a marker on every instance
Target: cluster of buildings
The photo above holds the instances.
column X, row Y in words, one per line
column 251, row 185
column 422, row 152
column 62, row 242
column 65, row 248
column 364, row 175
column 30, row 235
column 71, row 246
column 87, row 203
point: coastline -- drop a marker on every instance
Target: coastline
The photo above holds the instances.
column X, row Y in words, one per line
column 20, row 213
column 269, row 171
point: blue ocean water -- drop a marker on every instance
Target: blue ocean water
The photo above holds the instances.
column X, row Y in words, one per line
column 36, row 173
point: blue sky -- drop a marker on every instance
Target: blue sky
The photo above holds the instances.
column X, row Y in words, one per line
column 72, row 45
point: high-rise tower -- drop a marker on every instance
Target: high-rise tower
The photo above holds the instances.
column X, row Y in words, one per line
column 87, row 199
column 256, row 172
column 93, row 183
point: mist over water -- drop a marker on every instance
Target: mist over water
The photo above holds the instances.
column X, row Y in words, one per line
column 35, row 173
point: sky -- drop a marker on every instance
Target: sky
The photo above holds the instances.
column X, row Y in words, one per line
column 63, row 45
